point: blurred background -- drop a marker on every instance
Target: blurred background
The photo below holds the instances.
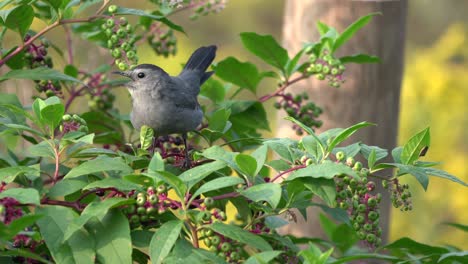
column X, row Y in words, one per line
column 434, row 93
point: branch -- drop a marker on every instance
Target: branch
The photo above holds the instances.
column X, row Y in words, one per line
column 282, row 88
column 288, row 171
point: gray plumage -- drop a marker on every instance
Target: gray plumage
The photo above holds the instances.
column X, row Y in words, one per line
column 169, row 104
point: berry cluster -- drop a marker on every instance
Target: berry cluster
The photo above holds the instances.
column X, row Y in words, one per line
column 162, row 40
column 101, row 100
column 295, row 107
column 400, row 194
column 205, row 7
column 121, row 40
column 73, row 123
column 326, row 66
column 231, row 251
column 36, row 55
column 355, row 196
column 8, row 209
column 171, row 149
column 149, row 205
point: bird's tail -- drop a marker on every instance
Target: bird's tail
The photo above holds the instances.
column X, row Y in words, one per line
column 200, row 61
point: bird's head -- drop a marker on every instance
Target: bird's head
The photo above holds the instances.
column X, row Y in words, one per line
column 143, row 77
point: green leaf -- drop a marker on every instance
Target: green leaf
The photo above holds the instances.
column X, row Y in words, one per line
column 329, row 38
column 375, row 256
column 218, row 184
column 246, row 164
column 396, row 154
column 246, row 115
column 19, row 19
column 360, row 58
column 51, row 111
column 141, row 237
column 40, row 73
column 163, row 240
column 323, row 188
column 366, row 150
column 260, row 155
column 241, row 235
column 9, row 174
column 146, row 137
column 313, row 146
column 112, row 236
column 417, row 172
column 322, row 27
column 156, row 163
column 214, row 90
column 242, row 74
column 327, row 225
column 66, row 187
column 326, row 170
column 412, row 149
column 319, row 144
column 26, row 253
column 195, row 175
column 258, row 193
column 455, row 257
column 263, row 257
column 118, row 184
column 218, row 125
column 175, row 182
column 23, row 128
column 71, row 70
column 346, row 133
column 350, row 150
column 22, row 195
column 99, row 164
column 266, row 48
column 283, row 146
column 459, row 226
column 95, row 210
column 43, row 149
column 414, row 247
column 18, row 225
column 371, row 159
column 352, row 29
column 78, row 249
column 444, row 175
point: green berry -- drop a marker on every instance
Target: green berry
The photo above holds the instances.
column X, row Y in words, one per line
column 112, row 9
column 130, row 54
column 321, row 76
column 209, row 202
column 161, row 189
column 110, row 22
column 362, row 208
column 207, row 242
column 326, row 69
column 367, row 227
column 340, row 155
column 373, row 215
column 360, row 219
column 357, row 166
column 141, row 210
column 129, row 28
column 318, row 67
column 141, row 200
column 135, row 219
column 116, row 53
column 206, row 216
column 66, row 117
column 121, row 33
column 350, row 161
column 144, row 218
column 215, row 240
column 225, row 247
column 361, row 235
column 372, row 202
column 334, row 71
column 114, row 38
column 153, row 199
column 370, row 238
column 208, row 232
column 122, row 66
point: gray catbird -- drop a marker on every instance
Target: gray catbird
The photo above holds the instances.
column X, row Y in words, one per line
column 168, row 104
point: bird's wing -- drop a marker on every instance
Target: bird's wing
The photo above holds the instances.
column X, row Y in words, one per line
column 178, row 93
column 191, row 82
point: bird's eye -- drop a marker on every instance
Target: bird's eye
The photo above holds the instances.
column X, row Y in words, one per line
column 141, row 75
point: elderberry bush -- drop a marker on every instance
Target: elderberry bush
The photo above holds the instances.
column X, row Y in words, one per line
column 87, row 188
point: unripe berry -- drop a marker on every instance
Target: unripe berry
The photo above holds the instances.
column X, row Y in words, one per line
column 226, row 246
column 153, row 199
column 141, row 200
column 357, row 166
column 141, row 210
column 121, row 33
column 370, row 238
column 123, row 21
column 350, row 161
column 215, row 240
column 144, row 218
column 208, row 232
column 340, row 155
column 318, row 67
column 206, row 216
column 110, row 22
column 114, row 39
column 334, row 71
column 277, row 105
column 151, row 211
column 161, row 189
column 135, row 219
column 361, row 235
column 66, row 117
column 112, row 9
column 116, row 53
column 373, row 215
column 326, row 69
column 360, row 218
column 362, row 208
column 130, row 54
column 207, row 242
column 356, row 226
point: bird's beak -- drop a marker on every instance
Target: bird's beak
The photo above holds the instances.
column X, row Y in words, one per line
column 124, row 73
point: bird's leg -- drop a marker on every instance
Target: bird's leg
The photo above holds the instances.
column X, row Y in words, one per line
column 187, row 162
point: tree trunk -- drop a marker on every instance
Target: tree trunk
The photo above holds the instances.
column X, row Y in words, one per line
column 371, row 92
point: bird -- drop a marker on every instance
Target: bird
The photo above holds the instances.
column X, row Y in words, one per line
column 169, row 104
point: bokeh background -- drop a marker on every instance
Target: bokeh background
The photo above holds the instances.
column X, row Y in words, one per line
column 434, row 93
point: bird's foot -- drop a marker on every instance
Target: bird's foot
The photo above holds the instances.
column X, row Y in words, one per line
column 187, row 163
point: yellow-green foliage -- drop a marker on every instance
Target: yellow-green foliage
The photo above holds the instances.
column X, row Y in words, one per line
column 435, row 94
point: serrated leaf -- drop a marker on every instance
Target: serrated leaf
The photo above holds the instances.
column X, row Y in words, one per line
column 360, row 59
column 326, row 170
column 241, row 235
column 352, row 29
column 257, row 193
column 242, row 74
column 146, row 137
column 99, row 164
column 163, row 240
column 40, row 73
column 22, row 195
column 266, row 48
column 346, row 133
column 413, row 147
column 95, row 210
column 112, row 236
